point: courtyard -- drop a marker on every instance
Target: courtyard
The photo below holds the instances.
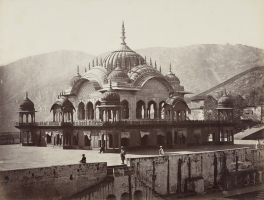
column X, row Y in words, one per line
column 20, row 157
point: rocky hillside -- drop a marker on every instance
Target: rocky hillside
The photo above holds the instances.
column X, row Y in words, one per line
column 199, row 68
column 43, row 76
column 248, row 84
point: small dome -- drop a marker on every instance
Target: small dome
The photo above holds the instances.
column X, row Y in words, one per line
column 63, row 102
column 75, row 78
column 27, row 105
column 225, row 102
column 172, row 78
column 118, row 75
column 111, row 96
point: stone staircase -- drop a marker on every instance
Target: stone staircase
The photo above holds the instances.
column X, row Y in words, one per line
column 109, row 179
column 260, row 195
column 224, row 181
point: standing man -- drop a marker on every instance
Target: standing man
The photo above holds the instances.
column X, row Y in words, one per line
column 161, row 152
column 123, row 154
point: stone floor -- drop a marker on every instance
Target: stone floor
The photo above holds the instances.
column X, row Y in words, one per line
column 17, row 156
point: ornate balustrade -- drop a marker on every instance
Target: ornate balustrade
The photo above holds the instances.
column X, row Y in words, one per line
column 142, row 122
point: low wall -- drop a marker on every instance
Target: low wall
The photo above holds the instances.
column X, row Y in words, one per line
column 50, row 182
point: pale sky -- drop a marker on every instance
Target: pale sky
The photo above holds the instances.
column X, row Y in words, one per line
column 31, row 27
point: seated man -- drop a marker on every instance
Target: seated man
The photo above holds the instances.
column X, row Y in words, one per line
column 83, row 160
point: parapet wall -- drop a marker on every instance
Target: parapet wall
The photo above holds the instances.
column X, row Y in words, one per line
column 49, row 182
column 172, row 174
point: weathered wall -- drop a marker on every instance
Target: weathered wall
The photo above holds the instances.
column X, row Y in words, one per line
column 171, row 173
column 47, row 182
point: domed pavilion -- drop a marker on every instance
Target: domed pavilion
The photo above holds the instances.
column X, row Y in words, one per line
column 125, row 101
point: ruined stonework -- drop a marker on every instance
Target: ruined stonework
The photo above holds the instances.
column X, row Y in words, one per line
column 175, row 175
column 49, row 182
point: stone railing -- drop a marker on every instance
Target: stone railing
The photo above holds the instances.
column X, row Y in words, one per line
column 140, row 122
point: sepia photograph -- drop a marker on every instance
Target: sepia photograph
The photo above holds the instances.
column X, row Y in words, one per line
column 131, row 99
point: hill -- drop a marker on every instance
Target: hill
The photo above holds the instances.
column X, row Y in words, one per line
column 199, row 68
column 248, row 84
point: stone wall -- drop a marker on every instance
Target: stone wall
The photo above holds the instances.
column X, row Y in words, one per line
column 47, row 182
column 170, row 174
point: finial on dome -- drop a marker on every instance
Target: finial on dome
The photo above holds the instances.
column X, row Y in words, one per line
column 170, row 67
column 225, row 92
column 78, row 70
column 110, row 85
column 123, row 37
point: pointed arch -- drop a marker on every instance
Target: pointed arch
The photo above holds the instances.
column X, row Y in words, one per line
column 81, row 111
column 140, row 109
column 90, row 110
column 125, row 113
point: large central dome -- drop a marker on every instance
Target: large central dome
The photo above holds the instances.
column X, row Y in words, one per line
column 125, row 56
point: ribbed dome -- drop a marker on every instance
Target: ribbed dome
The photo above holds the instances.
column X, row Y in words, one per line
column 124, row 55
column 27, row 105
column 172, row 78
column 63, row 102
column 74, row 80
column 110, row 96
column 118, row 75
column 225, row 102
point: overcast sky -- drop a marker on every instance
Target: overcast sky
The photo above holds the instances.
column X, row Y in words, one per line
column 30, row 27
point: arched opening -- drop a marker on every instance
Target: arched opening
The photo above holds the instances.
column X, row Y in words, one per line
column 160, row 140
column 169, row 138
column 152, row 110
column 144, row 140
column 110, row 140
column 97, row 112
column 90, row 110
column 175, row 137
column 102, row 140
column 48, row 138
column 74, row 140
column 138, row 195
column 23, row 118
column 161, row 110
column 57, row 139
column 116, row 139
column 81, row 111
column 29, row 118
column 125, row 196
column 87, row 142
column 125, row 142
column 140, row 109
column 125, row 108
column 182, row 139
column 111, row 197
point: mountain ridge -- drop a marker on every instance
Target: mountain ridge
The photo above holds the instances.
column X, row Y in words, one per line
column 44, row 76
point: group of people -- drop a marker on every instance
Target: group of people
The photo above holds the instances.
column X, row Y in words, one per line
column 122, row 154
